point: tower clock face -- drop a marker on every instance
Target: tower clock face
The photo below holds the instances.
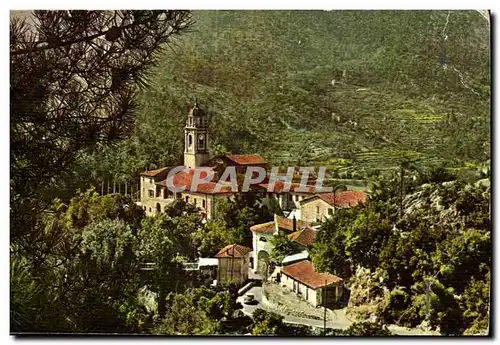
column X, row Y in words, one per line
column 201, row 137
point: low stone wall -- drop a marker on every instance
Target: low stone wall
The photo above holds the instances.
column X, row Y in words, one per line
column 274, row 303
column 245, row 288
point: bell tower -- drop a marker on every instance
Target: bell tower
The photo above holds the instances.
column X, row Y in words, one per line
column 196, row 138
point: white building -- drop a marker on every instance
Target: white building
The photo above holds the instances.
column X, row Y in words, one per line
column 263, row 233
column 314, row 287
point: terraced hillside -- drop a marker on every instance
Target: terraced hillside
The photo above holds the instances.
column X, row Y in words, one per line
column 368, row 88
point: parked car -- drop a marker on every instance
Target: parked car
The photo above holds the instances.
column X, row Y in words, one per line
column 249, row 298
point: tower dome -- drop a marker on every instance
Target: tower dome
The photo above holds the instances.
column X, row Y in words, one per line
column 196, row 111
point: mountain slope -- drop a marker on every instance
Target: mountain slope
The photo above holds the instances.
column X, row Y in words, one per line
column 309, row 87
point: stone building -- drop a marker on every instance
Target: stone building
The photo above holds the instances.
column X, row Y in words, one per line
column 320, row 206
column 155, row 195
column 263, row 233
column 234, row 263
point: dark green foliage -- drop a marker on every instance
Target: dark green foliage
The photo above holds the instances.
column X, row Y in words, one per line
column 231, row 224
column 443, row 238
column 368, row 329
column 266, row 323
column 202, row 311
column 166, row 240
column 82, row 259
column 267, row 85
column 476, row 304
column 282, row 246
column 65, row 71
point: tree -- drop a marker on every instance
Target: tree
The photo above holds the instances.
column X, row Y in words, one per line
column 282, row 246
column 213, row 237
column 270, row 206
column 476, row 304
column 79, row 69
column 104, row 276
column 231, row 224
column 166, row 241
column 84, row 255
column 202, row 311
column 266, row 323
column 368, row 329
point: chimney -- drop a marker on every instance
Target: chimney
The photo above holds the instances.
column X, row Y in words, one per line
column 294, row 223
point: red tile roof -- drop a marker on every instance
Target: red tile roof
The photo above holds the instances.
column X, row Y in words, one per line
column 233, row 251
column 304, row 272
column 344, row 199
column 287, row 223
column 268, row 227
column 153, row 173
column 304, row 237
column 185, row 178
column 246, row 159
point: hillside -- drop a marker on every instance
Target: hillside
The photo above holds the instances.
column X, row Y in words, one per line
column 310, row 87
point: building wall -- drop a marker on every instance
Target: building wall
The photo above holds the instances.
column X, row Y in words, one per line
column 161, row 196
column 206, row 202
column 308, row 294
column 259, row 245
column 297, row 198
column 233, row 269
column 315, row 210
column 202, row 201
column 193, row 160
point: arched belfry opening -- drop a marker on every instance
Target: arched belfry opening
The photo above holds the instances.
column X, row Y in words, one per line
column 197, row 138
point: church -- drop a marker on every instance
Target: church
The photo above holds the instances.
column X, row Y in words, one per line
column 304, row 209
column 155, row 195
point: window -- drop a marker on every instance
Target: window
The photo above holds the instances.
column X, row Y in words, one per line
column 187, row 199
column 317, row 209
column 190, row 140
column 203, row 203
column 195, row 201
column 150, row 209
column 151, row 193
column 330, row 211
column 201, row 142
column 144, row 207
column 262, row 239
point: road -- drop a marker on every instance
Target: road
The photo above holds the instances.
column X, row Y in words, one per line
column 341, row 323
column 248, row 309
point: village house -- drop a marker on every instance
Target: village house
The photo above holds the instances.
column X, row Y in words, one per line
column 319, row 289
column 296, row 272
column 263, row 233
column 318, row 207
column 234, row 263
